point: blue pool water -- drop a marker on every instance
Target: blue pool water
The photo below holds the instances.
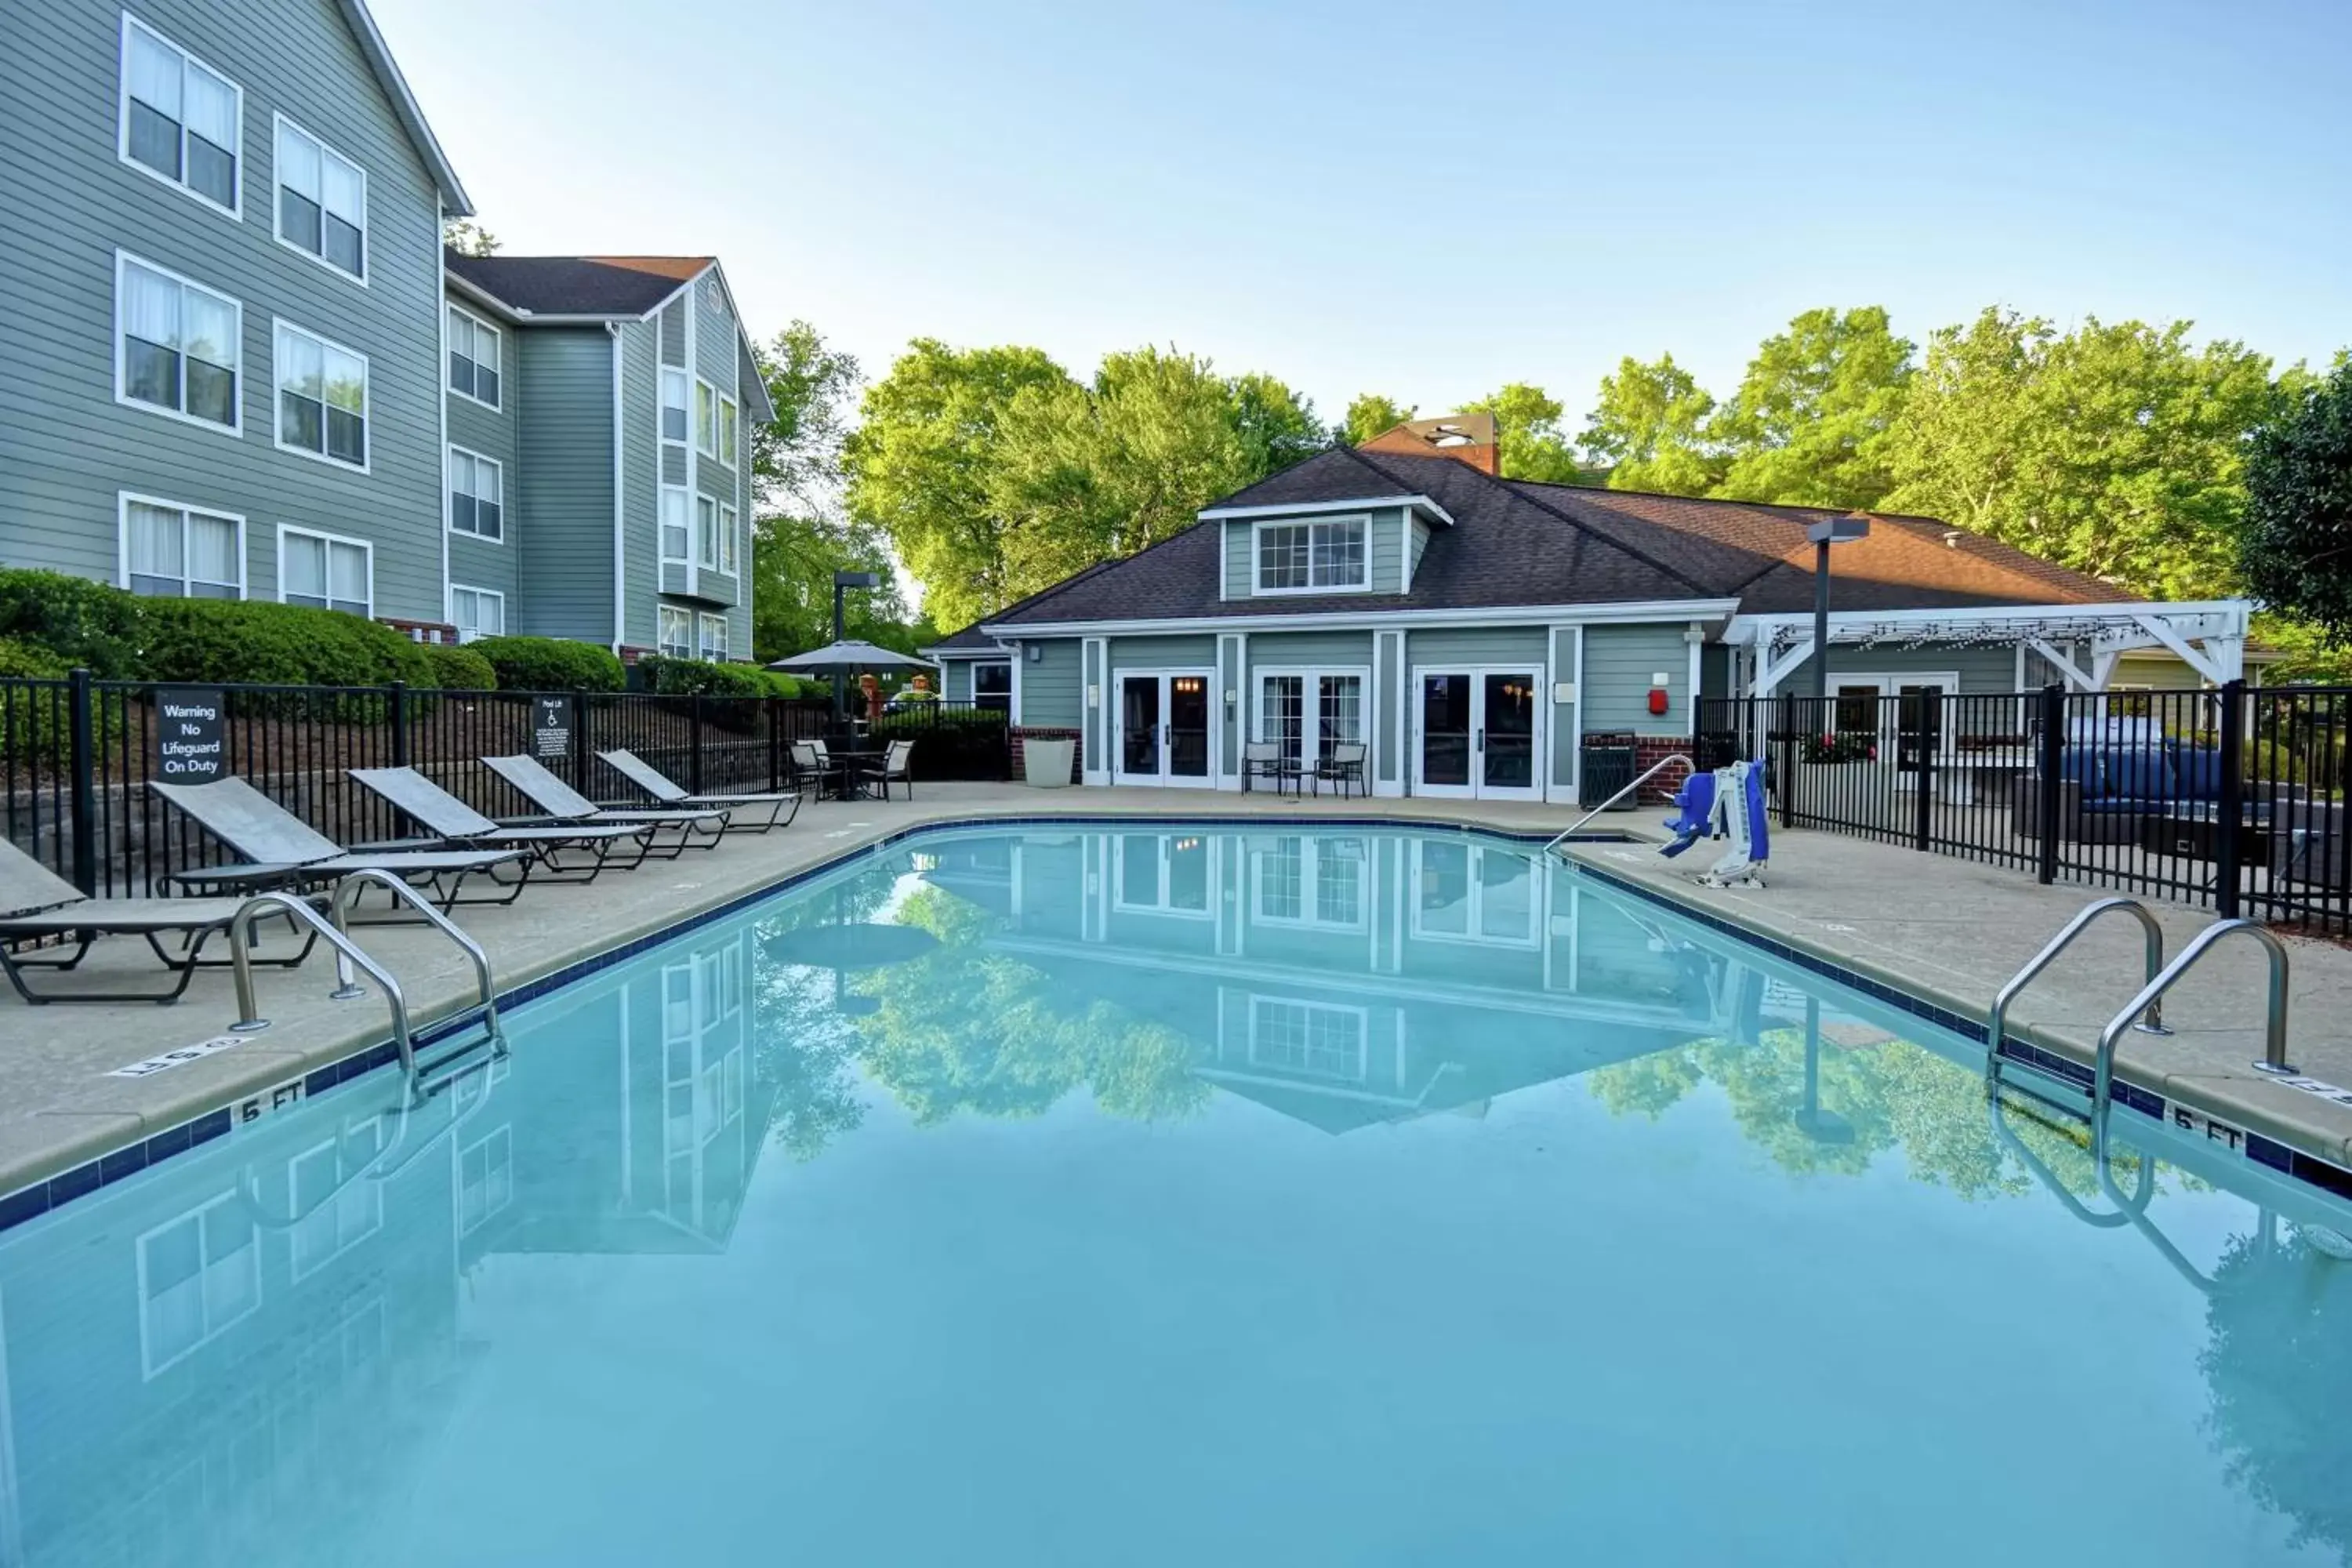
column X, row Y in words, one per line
column 1165, row 1196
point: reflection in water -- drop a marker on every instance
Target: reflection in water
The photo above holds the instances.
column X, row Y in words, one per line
column 191, row 1360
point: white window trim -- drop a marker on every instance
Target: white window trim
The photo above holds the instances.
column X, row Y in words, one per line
column 730, row 553
column 661, row 376
column 729, row 411
column 480, row 326
column 1474, row 903
column 233, row 430
column 125, row 500
column 661, row 550
column 449, row 494
column 1311, row 853
column 289, row 530
column 693, row 423
column 277, row 403
column 695, row 542
column 149, row 1366
column 502, row 1132
column 367, row 218
column 122, row 112
column 373, row 1190
column 663, row 613
column 1310, row 678
column 450, row 609
column 1360, row 1017
column 1121, row 904
column 1257, row 532
column 702, row 623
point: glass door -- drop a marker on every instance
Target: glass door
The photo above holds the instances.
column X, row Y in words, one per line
column 1479, row 734
column 1506, row 750
column 1139, row 729
column 1166, row 730
column 1444, row 722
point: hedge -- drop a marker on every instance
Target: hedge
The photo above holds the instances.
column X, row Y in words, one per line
column 37, row 724
column 220, row 640
column 551, row 664
column 80, row 621
column 687, row 677
column 456, row 668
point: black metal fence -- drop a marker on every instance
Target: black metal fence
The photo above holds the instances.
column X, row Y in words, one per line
column 2234, row 798
column 76, row 756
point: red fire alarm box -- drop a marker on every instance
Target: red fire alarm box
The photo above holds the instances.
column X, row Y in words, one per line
column 1658, row 693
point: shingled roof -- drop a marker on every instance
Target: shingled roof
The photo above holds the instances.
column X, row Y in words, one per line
column 1513, row 543
column 578, row 285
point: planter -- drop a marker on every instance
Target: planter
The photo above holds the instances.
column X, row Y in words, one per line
column 1045, row 765
column 1850, row 795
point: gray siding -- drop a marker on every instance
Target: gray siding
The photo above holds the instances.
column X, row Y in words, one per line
column 1051, row 685
column 1387, row 544
column 1618, row 664
column 955, row 680
column 491, row 433
column 1198, row 651
column 67, row 448
column 715, row 356
column 1480, row 645
column 1419, row 541
column 1982, row 668
column 1267, row 649
column 565, row 532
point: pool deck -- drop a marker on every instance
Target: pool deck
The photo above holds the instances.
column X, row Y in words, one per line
column 1943, row 930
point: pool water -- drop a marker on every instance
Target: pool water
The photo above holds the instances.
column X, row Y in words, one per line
column 1168, row 1196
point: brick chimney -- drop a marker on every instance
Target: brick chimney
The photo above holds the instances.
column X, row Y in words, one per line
column 1465, row 438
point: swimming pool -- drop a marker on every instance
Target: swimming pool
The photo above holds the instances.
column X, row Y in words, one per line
column 1162, row 1195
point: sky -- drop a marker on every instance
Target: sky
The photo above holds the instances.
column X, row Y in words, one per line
column 1420, row 200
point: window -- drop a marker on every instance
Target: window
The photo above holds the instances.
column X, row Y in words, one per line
column 477, row 613
column 1310, row 882
column 714, row 638
column 1307, row 1037
column 673, row 525
column 673, row 407
column 322, row 397
column 322, row 201
column 197, row 1275
column 325, row 573
column 705, row 532
column 727, row 525
column 1299, row 557
column 727, row 417
column 335, row 1207
column 992, row 686
column 677, row 636
column 484, row 1179
column 182, row 120
column 1308, row 712
column 176, row 344
column 706, row 419
column 473, row 357
column 174, row 552
column 476, row 495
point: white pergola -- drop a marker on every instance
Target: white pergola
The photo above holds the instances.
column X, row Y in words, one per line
column 2081, row 642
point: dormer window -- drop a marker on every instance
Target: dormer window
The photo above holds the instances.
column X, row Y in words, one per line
column 1323, row 556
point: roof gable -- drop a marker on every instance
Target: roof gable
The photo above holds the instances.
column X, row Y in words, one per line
column 404, row 107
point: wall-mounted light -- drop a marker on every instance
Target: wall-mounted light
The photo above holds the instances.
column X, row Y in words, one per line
column 1036, row 651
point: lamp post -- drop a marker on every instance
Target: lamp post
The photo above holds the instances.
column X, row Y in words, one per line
column 842, row 583
column 1835, row 530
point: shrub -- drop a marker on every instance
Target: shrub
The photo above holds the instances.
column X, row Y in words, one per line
column 36, row 723
column 218, row 640
column 456, row 668
column 687, row 677
column 81, row 621
column 551, row 664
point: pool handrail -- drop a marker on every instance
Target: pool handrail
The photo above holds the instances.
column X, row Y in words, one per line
column 1647, row 775
column 1997, row 1021
column 347, row 951
column 2274, row 1033
column 347, row 892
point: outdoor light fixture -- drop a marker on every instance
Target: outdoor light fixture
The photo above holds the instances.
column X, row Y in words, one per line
column 1829, row 531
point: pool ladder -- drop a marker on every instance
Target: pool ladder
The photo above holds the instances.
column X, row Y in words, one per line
column 2144, row 1012
column 334, row 928
column 1653, row 771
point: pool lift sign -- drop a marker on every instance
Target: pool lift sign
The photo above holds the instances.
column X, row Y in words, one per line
column 550, row 727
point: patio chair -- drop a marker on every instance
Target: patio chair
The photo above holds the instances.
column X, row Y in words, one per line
column 658, row 785
column 281, row 851
column 1264, row 759
column 36, row 904
column 699, row 828
column 459, row 826
column 891, row 765
column 1344, row 765
column 813, row 762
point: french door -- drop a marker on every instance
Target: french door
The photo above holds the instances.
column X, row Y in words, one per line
column 1478, row 734
column 1164, row 734
column 1306, row 713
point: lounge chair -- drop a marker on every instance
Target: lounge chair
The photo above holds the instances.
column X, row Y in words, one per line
column 699, row 827
column 658, row 785
column 36, row 903
column 283, row 851
column 460, row 826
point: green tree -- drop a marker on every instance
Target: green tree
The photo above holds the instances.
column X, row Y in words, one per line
column 1369, row 415
column 466, row 237
column 1527, row 426
column 793, row 563
column 796, row 458
column 1276, row 425
column 919, row 465
column 1809, row 424
column 1649, row 429
column 2116, row 451
column 2293, row 541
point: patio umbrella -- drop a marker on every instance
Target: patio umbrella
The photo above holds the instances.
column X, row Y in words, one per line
column 848, row 945
column 844, row 657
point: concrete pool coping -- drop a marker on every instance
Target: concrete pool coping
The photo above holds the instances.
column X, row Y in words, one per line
column 68, row 1124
